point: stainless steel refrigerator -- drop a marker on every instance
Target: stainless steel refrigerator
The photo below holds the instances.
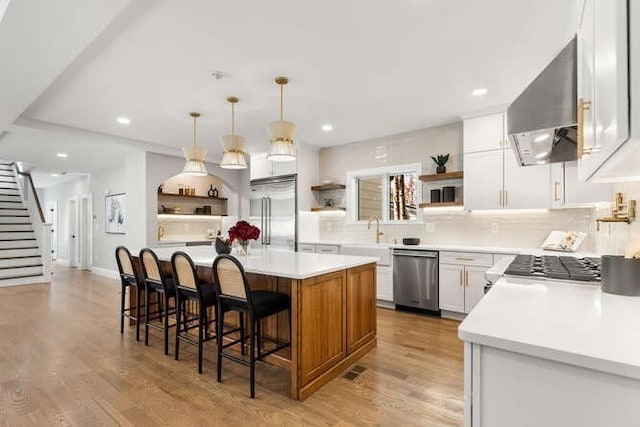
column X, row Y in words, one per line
column 273, row 207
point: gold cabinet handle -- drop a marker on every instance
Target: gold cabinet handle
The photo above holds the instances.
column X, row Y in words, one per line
column 556, row 184
column 582, row 106
column 460, row 277
column 464, row 259
column 466, row 278
column 506, row 198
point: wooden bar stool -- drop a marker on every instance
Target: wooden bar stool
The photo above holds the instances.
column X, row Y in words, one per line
column 233, row 293
column 164, row 288
column 129, row 279
column 190, row 288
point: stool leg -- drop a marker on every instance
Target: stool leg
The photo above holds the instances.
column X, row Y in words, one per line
column 138, row 317
column 201, row 317
column 178, row 314
column 166, row 323
column 252, row 355
column 219, row 325
column 124, row 291
column 259, row 340
column 242, row 334
column 146, row 316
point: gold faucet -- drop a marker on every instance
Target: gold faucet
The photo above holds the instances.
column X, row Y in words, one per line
column 161, row 231
column 378, row 232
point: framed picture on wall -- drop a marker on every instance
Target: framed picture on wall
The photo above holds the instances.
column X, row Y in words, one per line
column 115, row 213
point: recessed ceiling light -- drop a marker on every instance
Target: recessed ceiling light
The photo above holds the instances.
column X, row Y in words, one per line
column 54, row 174
column 123, row 120
column 479, row 92
column 542, row 137
column 63, row 155
column 327, row 128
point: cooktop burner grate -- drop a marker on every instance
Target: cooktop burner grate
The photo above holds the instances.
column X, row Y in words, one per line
column 556, row 267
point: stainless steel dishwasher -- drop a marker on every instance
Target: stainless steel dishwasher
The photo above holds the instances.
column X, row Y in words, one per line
column 415, row 279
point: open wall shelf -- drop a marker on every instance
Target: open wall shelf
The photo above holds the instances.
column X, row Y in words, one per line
column 442, row 176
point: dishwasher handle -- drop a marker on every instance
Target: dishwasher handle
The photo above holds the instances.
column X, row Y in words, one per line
column 422, row 254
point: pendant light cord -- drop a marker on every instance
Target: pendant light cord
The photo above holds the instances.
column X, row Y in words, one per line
column 194, row 131
column 233, row 119
column 281, row 102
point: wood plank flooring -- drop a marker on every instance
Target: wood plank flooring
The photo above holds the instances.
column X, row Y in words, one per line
column 64, row 362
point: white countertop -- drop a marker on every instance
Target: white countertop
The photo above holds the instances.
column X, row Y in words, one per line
column 568, row 323
column 281, row 263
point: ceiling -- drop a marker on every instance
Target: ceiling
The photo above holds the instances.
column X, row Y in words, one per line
column 368, row 67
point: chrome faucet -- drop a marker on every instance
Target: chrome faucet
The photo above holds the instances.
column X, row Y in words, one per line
column 378, row 232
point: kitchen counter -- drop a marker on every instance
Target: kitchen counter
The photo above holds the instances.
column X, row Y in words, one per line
column 270, row 262
column 553, row 354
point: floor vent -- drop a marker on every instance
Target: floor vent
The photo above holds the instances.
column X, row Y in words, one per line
column 358, row 369
column 351, row 375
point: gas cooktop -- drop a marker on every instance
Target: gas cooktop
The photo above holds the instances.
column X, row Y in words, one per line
column 555, row 267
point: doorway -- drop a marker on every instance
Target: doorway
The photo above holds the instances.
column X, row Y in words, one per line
column 52, row 218
column 81, row 231
column 73, row 232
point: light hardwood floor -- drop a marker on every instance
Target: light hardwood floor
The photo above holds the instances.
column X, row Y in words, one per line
column 64, row 362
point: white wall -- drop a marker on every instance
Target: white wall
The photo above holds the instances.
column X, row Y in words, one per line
column 62, row 193
column 514, row 229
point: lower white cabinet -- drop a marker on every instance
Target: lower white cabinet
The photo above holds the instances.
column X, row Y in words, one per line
column 462, row 280
column 384, row 283
column 307, row 247
column 318, row 248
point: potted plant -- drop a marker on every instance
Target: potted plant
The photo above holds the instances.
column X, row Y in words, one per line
column 243, row 232
column 441, row 160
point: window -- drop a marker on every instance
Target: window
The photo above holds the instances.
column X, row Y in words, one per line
column 391, row 194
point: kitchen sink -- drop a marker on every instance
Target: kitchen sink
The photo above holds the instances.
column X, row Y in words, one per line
column 377, row 250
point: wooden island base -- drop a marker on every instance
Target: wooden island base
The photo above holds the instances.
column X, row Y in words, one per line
column 333, row 323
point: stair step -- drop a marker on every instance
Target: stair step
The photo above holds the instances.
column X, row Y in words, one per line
column 10, row 197
column 9, row 191
column 27, row 261
column 13, row 212
column 14, row 219
column 27, row 279
column 17, row 235
column 11, row 205
column 8, row 179
column 17, row 244
column 13, row 272
column 10, row 185
column 16, row 252
column 19, row 227
column 7, row 174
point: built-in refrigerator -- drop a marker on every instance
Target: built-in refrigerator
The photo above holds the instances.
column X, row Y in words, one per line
column 273, row 207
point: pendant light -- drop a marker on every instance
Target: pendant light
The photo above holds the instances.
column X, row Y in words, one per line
column 194, row 155
column 233, row 145
column 281, row 147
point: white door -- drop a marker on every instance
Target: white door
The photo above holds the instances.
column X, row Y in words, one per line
column 484, row 133
column 525, row 187
column 451, row 288
column 52, row 218
column 85, row 233
column 483, row 180
column 73, row 232
column 474, row 286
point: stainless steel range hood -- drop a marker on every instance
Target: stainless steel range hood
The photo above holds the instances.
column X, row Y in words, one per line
column 542, row 121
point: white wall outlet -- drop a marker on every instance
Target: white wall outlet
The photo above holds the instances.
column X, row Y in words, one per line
column 495, row 227
column 430, row 227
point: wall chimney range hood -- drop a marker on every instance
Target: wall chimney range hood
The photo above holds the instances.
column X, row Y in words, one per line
column 542, row 121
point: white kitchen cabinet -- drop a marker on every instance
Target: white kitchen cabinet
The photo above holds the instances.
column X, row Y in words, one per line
column 525, row 187
column 567, row 190
column 603, row 87
column 484, row 133
column 451, row 288
column 384, row 291
column 462, row 279
column 483, row 180
column 474, row 282
column 493, row 180
column 260, row 167
column 328, row 249
column 307, row 247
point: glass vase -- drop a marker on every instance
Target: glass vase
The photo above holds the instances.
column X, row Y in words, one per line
column 243, row 247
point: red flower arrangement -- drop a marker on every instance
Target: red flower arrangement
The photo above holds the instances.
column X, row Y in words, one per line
column 243, row 232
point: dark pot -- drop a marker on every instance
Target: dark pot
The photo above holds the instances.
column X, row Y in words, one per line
column 441, row 169
column 436, row 196
column 221, row 247
column 448, row 194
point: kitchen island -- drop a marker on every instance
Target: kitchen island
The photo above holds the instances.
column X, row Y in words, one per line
column 333, row 308
column 548, row 353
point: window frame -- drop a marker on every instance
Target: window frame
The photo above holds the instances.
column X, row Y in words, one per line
column 385, row 172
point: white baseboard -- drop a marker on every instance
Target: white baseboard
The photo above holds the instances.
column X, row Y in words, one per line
column 112, row 274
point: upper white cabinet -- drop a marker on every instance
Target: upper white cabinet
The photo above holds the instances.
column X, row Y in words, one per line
column 261, row 167
column 484, row 133
column 603, row 82
column 492, row 177
column 567, row 190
